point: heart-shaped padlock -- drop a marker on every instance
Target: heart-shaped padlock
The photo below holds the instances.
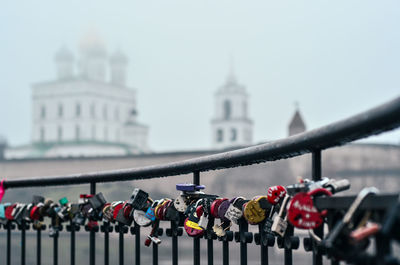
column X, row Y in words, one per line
column 301, row 211
column 275, row 193
column 253, row 211
column 222, row 210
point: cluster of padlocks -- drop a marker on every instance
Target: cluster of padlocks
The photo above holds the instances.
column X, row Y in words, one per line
column 200, row 213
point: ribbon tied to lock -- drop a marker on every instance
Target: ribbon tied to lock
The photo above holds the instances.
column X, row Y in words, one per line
column 2, row 189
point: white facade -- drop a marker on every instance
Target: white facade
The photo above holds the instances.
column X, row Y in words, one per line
column 84, row 114
column 231, row 126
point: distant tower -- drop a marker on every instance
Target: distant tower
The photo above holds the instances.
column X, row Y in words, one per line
column 231, row 126
column 3, row 146
column 118, row 63
column 297, row 124
column 64, row 60
column 93, row 58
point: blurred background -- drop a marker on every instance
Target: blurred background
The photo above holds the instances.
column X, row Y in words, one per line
column 98, row 85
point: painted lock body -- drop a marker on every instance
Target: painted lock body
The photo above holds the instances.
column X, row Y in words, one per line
column 191, row 224
column 275, row 194
column 180, row 204
column 234, row 211
column 301, row 210
column 140, row 218
column 222, row 209
column 215, row 206
column 253, row 212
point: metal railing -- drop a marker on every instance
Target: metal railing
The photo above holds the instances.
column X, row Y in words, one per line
column 377, row 120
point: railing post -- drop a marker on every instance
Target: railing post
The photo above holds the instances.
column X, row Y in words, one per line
column 174, row 236
column 121, row 243
column 316, row 175
column 196, row 241
column 39, row 245
column 8, row 242
column 72, row 227
column 136, row 231
column 92, row 243
column 106, row 227
column 23, row 242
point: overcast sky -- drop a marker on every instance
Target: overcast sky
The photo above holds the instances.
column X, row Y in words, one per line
column 336, row 58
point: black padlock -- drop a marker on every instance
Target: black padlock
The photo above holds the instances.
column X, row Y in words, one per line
column 122, row 219
column 138, row 199
column 97, row 201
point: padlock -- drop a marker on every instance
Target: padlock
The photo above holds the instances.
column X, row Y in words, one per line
column 275, row 194
column 341, row 230
column 140, row 218
column 221, row 229
column 180, row 204
column 138, row 199
column 215, row 206
column 254, row 211
column 301, row 211
column 279, row 224
column 222, row 209
column 171, row 213
column 153, row 236
column 191, row 223
column 187, row 187
column 234, row 211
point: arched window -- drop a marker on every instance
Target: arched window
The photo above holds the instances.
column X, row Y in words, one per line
column 78, row 110
column 227, row 110
column 93, row 132
column 42, row 134
column 42, row 112
column 105, row 112
column 59, row 133
column 93, row 110
column 233, row 134
column 105, row 134
column 220, row 135
column 60, row 110
column 77, row 132
column 116, row 114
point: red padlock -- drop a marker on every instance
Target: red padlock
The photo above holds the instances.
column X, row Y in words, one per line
column 215, row 205
column 275, row 193
column 302, row 212
column 9, row 210
column 193, row 229
column 117, row 208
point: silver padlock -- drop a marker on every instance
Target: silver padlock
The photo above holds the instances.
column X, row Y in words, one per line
column 203, row 222
column 154, row 239
column 280, row 224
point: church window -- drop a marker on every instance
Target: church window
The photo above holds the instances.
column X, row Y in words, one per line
column 116, row 114
column 77, row 132
column 220, row 135
column 59, row 133
column 117, row 136
column 78, row 110
column 93, row 132
column 93, row 110
column 105, row 134
column 60, row 110
column 105, row 112
column 227, row 109
column 43, row 112
column 233, row 134
column 42, row 134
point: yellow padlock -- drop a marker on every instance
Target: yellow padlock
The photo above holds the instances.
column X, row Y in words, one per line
column 253, row 212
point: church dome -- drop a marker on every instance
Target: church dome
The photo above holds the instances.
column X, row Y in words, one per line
column 92, row 44
column 118, row 57
column 64, row 54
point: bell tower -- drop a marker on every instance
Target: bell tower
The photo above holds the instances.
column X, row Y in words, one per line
column 231, row 126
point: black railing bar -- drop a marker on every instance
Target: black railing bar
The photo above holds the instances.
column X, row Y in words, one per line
column 383, row 201
column 379, row 119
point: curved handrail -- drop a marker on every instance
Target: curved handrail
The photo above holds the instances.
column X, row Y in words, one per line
column 374, row 121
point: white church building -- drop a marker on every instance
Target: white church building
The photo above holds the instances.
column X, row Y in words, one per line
column 83, row 112
column 231, row 125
